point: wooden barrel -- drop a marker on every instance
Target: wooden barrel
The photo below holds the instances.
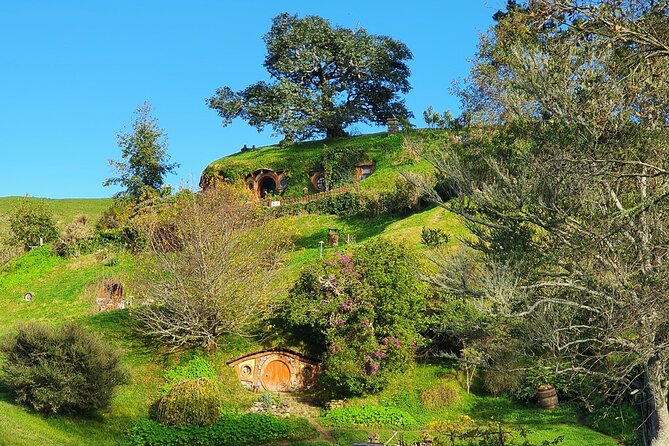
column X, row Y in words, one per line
column 547, row 397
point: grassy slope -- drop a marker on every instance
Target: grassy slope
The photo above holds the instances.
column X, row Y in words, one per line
column 64, row 209
column 63, row 291
column 300, row 158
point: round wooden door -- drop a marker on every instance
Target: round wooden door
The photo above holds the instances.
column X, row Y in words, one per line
column 276, row 376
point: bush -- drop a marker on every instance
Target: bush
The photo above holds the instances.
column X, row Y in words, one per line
column 434, row 237
column 229, row 430
column 500, row 381
column 32, row 221
column 64, row 369
column 364, row 312
column 191, row 401
column 370, row 416
column 443, row 394
column 339, row 164
column 74, row 239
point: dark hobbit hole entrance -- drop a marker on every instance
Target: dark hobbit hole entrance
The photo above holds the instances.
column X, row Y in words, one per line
column 267, row 186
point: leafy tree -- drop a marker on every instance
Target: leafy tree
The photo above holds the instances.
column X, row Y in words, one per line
column 207, row 271
column 31, row 222
column 563, row 180
column 146, row 162
column 65, row 369
column 363, row 312
column 325, row 78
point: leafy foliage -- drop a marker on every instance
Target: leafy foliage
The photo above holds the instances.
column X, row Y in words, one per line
column 364, row 312
column 190, row 401
column 229, row 430
column 370, row 416
column 146, row 164
column 75, row 238
column 64, row 369
column 197, row 367
column 339, row 164
column 434, row 237
column 31, row 221
column 326, row 79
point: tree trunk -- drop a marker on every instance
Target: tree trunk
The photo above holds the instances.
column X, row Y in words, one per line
column 657, row 418
column 335, row 132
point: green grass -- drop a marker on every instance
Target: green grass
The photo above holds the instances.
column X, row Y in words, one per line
column 300, row 158
column 404, row 392
column 64, row 209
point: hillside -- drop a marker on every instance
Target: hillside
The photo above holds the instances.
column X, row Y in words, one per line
column 299, row 159
column 64, row 209
column 64, row 289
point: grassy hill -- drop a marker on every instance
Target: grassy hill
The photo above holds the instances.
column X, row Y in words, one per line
column 300, row 158
column 64, row 289
column 64, row 209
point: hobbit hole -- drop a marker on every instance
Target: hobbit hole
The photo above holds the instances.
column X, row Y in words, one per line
column 276, row 370
column 266, row 181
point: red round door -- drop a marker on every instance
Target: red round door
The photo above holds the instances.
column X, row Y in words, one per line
column 276, row 376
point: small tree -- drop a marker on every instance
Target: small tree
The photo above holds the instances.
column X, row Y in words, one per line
column 326, row 78
column 146, row 163
column 64, row 369
column 31, row 222
column 210, row 261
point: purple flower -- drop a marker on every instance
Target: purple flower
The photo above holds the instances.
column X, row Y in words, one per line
column 347, row 305
column 397, row 343
column 339, row 322
column 374, row 368
column 385, row 341
column 377, row 354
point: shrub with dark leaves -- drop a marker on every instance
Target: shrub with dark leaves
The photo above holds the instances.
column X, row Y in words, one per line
column 64, row 369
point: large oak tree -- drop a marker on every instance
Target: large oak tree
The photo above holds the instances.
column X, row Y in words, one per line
column 324, row 78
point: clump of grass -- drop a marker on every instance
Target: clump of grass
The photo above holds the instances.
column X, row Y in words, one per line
column 443, row 394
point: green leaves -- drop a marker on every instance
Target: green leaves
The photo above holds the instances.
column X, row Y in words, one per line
column 146, row 161
column 326, row 78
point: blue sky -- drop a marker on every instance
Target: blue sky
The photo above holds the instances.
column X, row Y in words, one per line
column 72, row 72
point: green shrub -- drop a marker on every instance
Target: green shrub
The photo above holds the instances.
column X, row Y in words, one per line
column 500, row 381
column 343, row 204
column 370, row 416
column 364, row 312
column 443, row 394
column 229, row 430
column 64, row 369
column 434, row 237
column 407, row 197
column 339, row 164
column 75, row 239
column 195, row 368
column 32, row 221
column 191, row 401
column 620, row 421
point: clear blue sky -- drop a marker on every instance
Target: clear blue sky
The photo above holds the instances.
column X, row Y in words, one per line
column 72, row 72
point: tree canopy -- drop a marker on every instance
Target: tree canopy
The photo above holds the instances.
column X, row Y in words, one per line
column 563, row 179
column 324, row 79
column 144, row 150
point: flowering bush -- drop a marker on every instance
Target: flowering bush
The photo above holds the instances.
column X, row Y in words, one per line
column 364, row 311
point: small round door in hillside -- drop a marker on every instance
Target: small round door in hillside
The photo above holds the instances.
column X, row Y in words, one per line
column 276, row 376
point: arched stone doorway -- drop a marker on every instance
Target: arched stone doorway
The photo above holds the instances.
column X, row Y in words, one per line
column 265, row 181
column 267, row 185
